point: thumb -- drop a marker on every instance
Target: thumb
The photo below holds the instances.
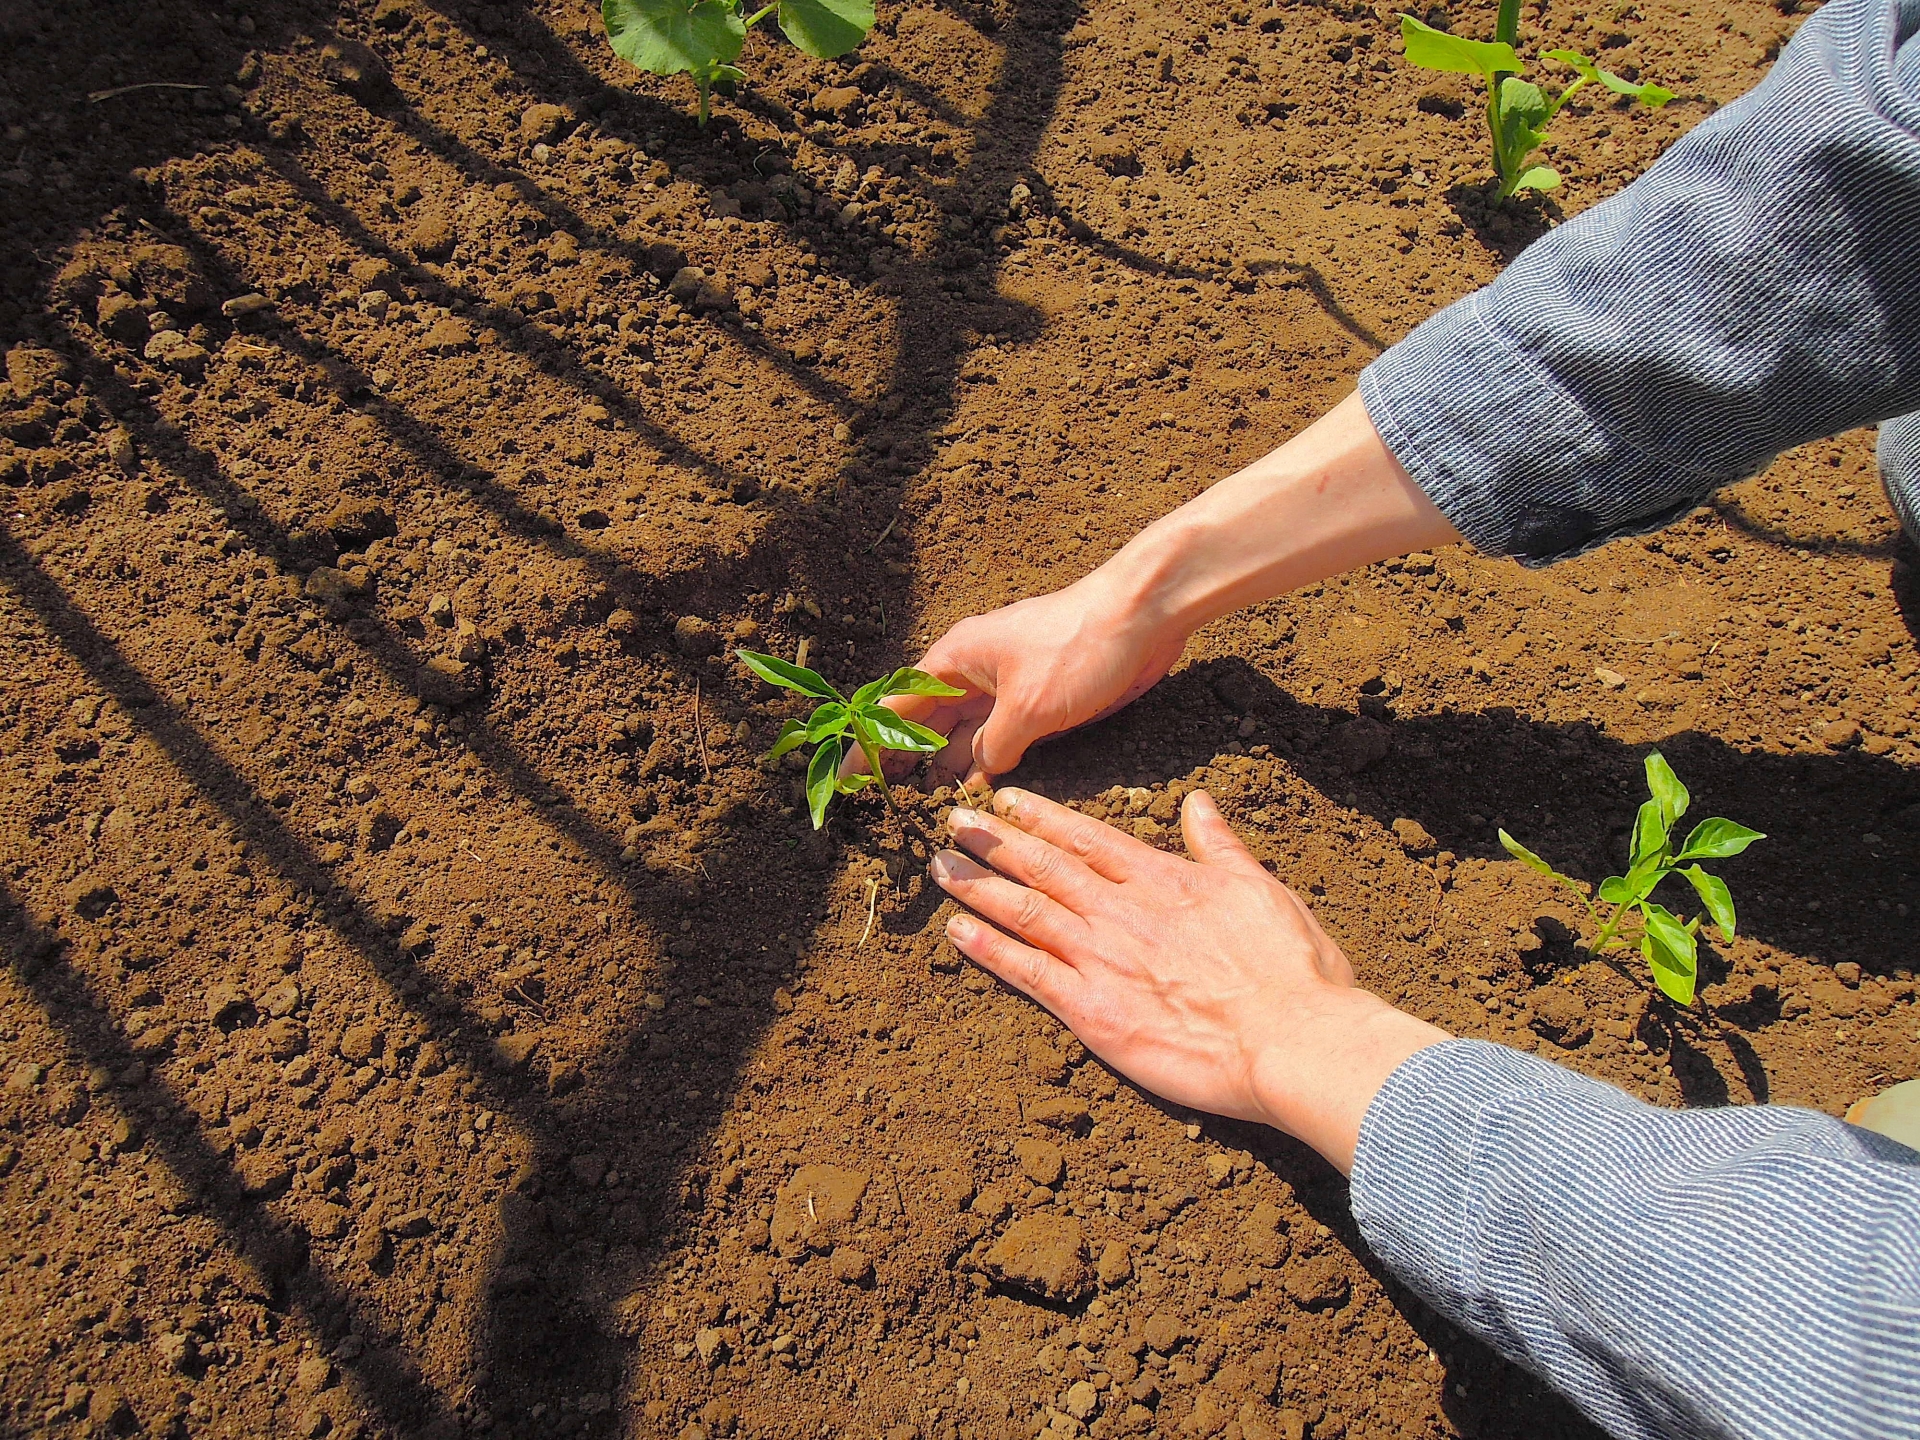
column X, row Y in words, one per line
column 1002, row 740
column 1210, row 840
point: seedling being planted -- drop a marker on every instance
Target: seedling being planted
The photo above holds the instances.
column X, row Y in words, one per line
column 840, row 722
column 1518, row 111
column 702, row 38
column 1669, row 944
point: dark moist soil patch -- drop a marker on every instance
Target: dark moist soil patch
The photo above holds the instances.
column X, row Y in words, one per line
column 425, row 1014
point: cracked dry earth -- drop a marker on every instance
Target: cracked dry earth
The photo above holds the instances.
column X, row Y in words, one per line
column 425, row 1015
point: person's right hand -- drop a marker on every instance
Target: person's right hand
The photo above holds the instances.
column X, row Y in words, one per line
column 1039, row 667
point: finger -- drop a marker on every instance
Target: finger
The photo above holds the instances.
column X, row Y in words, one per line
column 1034, row 862
column 1035, row 917
column 1210, row 840
column 957, row 758
column 1022, row 966
column 1106, row 851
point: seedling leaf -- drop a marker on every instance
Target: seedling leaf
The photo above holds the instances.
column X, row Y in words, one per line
column 826, row 28
column 666, row 37
column 1670, row 972
column 1518, row 111
column 791, row 736
column 909, row 681
column 1532, row 861
column 897, row 733
column 869, row 692
column 1665, row 787
column 1717, row 839
column 1649, row 835
column 1636, row 884
column 1672, row 953
column 775, row 671
column 1715, row 896
column 828, row 720
column 823, row 773
column 1433, row 49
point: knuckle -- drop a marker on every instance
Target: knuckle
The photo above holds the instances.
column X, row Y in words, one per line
column 1045, row 865
column 1029, row 909
column 1084, row 838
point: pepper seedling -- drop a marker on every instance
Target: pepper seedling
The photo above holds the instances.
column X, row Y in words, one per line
column 841, row 722
column 1670, row 945
column 1518, row 111
column 702, row 38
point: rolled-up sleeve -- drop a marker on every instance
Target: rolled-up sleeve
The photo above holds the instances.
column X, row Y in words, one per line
column 1749, row 1272
column 1758, row 287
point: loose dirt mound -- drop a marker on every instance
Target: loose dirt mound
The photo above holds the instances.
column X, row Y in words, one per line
column 427, row 1016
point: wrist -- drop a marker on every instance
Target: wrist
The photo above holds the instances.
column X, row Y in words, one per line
column 1320, row 1070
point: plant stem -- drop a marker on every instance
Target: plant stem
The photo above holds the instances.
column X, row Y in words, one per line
column 867, row 749
column 1506, row 28
column 1606, row 932
column 760, row 15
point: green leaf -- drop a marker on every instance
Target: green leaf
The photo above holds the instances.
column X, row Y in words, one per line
column 1533, row 862
column 775, row 671
column 1716, row 839
column 1649, row 836
column 893, row 732
column 823, row 773
column 1635, row 885
column 1433, row 49
column 1665, row 787
column 868, row 693
column 1647, row 93
column 1586, row 67
column 826, row 28
column 1538, row 177
column 791, row 736
column 1671, row 951
column 666, row 37
column 917, row 682
column 857, row 781
column 1522, row 103
column 1715, row 896
column 828, row 720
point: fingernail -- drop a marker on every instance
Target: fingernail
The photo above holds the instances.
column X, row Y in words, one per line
column 943, row 865
column 960, row 929
column 964, row 819
column 1004, row 801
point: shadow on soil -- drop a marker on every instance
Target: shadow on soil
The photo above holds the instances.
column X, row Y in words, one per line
column 546, row 1335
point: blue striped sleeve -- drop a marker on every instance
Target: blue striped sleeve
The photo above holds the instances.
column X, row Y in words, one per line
column 1758, row 287
column 1750, row 1272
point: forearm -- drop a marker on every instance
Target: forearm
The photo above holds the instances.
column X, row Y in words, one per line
column 1741, row 1272
column 1329, row 500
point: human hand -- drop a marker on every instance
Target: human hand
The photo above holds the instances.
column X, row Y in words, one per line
column 1332, row 498
column 1206, row 981
column 1039, row 667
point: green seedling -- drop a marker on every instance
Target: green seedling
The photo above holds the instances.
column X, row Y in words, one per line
column 1669, row 944
column 1518, row 111
column 839, row 723
column 702, row 38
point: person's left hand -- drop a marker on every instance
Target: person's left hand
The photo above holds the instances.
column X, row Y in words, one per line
column 1206, row 980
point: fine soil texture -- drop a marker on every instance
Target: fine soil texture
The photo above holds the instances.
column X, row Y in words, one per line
column 427, row 1015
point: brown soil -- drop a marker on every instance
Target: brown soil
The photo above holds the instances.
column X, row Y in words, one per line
column 427, row 1016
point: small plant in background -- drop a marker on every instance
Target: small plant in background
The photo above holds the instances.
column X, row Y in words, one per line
column 1518, row 111
column 839, row 723
column 703, row 38
column 1668, row 943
